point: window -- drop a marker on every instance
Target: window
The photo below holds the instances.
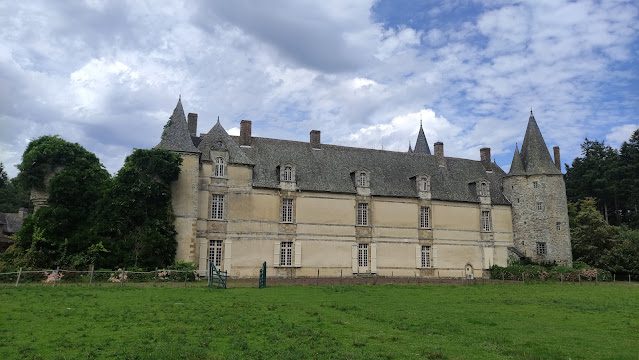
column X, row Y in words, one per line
column 217, row 207
column 287, row 210
column 362, row 179
column 215, row 252
column 485, row 220
column 362, row 214
column 536, row 184
column 517, row 200
column 424, row 184
column 219, row 167
column 540, row 206
column 558, row 226
column 362, row 255
column 287, row 175
column 426, row 257
column 424, row 217
column 286, row 253
column 541, row 249
column 483, row 189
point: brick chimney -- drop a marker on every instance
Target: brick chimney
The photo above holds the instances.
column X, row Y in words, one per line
column 557, row 157
column 439, row 149
column 315, row 139
column 245, row 133
column 192, row 120
column 484, row 155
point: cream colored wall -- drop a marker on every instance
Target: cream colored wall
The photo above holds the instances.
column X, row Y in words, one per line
column 185, row 203
column 325, row 230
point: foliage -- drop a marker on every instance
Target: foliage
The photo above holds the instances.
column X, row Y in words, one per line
column 12, row 194
column 510, row 321
column 60, row 234
column 540, row 272
column 135, row 217
column 610, row 176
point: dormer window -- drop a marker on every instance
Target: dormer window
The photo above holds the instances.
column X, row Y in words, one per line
column 287, row 173
column 423, row 183
column 362, row 179
column 483, row 189
column 219, row 167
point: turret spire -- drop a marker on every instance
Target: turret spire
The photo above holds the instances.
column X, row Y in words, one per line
column 176, row 136
column 534, row 153
column 421, row 145
column 517, row 166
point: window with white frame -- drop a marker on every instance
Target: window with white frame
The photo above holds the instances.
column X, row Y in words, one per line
column 424, row 184
column 215, row 252
column 287, row 210
column 362, row 255
column 483, row 189
column 362, row 214
column 485, row 220
column 219, row 167
column 540, row 206
column 426, row 253
column 287, row 174
column 286, row 253
column 362, row 179
column 541, row 248
column 217, row 207
column 424, row 217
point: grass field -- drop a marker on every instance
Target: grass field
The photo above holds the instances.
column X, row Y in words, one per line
column 533, row 321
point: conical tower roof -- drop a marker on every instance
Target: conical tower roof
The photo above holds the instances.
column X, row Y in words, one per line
column 421, row 145
column 175, row 136
column 534, row 153
column 517, row 166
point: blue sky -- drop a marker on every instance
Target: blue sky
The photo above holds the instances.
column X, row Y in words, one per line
column 107, row 74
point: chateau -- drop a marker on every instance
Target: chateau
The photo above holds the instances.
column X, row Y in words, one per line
column 308, row 208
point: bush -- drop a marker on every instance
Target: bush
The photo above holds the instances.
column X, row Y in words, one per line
column 517, row 271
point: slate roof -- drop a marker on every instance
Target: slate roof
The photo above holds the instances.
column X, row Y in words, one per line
column 421, row 145
column 517, row 166
column 534, row 153
column 176, row 135
column 391, row 173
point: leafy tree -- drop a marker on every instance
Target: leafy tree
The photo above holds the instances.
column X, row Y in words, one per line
column 591, row 235
column 629, row 177
column 136, row 216
column 12, row 194
column 623, row 258
column 75, row 180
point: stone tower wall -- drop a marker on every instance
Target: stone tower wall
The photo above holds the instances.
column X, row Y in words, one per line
column 531, row 225
column 185, row 206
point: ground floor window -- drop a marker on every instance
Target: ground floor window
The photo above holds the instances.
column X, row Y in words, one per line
column 426, row 251
column 541, row 249
column 286, row 253
column 215, row 252
column 362, row 255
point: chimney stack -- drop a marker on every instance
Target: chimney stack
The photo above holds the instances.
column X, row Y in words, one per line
column 557, row 157
column 245, row 133
column 439, row 149
column 315, row 139
column 192, row 120
column 484, row 155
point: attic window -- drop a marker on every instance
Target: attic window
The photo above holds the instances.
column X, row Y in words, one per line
column 424, row 183
column 483, row 189
column 362, row 179
column 219, row 167
column 288, row 174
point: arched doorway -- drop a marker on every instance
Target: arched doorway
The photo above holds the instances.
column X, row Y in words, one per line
column 469, row 272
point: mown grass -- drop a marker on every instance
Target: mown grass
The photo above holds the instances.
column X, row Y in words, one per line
column 533, row 321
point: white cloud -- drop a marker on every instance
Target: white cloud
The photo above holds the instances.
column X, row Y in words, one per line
column 619, row 134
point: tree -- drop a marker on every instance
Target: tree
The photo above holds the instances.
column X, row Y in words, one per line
column 591, row 235
column 12, row 195
column 629, row 178
column 135, row 219
column 60, row 233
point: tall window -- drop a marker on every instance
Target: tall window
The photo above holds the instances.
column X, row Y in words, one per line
column 362, row 255
column 483, row 189
column 541, row 249
column 362, row 214
column 540, row 206
column 426, row 256
column 558, row 226
column 485, row 220
column 286, row 253
column 215, row 252
column 424, row 217
column 287, row 210
column 425, row 184
column 536, row 184
column 288, row 174
column 217, row 207
column 219, row 167
column 362, row 179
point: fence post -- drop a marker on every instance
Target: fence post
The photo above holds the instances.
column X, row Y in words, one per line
column 614, row 277
column 317, row 281
column 185, row 275
column 628, row 278
column 20, row 273
column 579, row 277
column 91, row 267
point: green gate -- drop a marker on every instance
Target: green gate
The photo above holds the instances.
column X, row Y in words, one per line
column 217, row 278
column 262, row 281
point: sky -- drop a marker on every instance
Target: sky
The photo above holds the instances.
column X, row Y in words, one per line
column 107, row 74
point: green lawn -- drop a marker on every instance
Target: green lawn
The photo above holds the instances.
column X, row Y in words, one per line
column 532, row 321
